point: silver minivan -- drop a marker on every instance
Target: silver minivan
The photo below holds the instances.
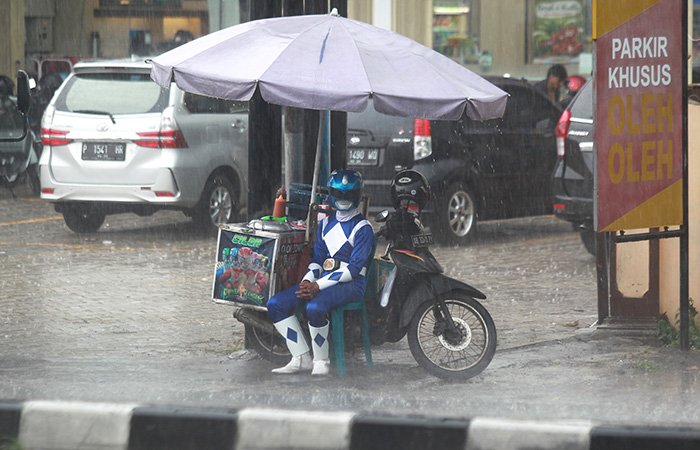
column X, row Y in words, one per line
column 115, row 141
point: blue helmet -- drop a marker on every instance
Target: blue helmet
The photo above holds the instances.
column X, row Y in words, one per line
column 345, row 189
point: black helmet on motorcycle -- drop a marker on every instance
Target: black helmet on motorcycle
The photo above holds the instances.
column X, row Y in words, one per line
column 410, row 187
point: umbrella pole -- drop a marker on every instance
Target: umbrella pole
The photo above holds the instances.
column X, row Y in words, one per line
column 316, row 176
column 293, row 145
column 311, row 221
column 317, row 160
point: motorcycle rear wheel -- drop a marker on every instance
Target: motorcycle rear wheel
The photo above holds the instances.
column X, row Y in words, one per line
column 457, row 357
column 269, row 347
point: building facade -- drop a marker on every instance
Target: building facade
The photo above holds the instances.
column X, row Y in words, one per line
column 520, row 37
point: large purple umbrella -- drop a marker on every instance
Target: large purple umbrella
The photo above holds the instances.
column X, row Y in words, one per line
column 328, row 62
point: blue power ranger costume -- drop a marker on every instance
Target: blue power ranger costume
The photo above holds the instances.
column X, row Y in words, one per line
column 341, row 255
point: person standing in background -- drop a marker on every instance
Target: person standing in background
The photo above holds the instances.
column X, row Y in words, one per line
column 553, row 82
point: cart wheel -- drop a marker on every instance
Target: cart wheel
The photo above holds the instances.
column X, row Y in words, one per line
column 270, row 346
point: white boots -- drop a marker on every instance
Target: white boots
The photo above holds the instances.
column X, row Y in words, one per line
column 290, row 329
column 297, row 364
column 319, row 343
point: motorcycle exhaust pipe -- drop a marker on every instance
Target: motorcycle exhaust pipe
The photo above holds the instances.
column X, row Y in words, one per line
column 253, row 319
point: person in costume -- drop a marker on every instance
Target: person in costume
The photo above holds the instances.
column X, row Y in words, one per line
column 335, row 277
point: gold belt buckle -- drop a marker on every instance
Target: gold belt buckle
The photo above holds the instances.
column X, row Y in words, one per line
column 330, row 264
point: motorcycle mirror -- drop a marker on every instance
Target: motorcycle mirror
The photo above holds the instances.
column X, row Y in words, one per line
column 382, row 216
column 22, row 91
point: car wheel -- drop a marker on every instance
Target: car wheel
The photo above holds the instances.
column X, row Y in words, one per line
column 216, row 205
column 588, row 239
column 81, row 220
column 456, row 219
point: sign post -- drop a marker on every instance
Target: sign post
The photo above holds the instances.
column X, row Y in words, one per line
column 641, row 133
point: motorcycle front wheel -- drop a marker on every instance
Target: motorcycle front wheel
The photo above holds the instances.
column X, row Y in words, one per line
column 449, row 355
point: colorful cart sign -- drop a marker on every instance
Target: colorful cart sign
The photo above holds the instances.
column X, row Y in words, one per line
column 253, row 265
column 639, row 114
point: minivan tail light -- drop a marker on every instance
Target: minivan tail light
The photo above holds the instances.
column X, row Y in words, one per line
column 422, row 141
column 172, row 139
column 50, row 137
column 170, row 134
column 150, row 139
column 161, row 139
column 561, row 131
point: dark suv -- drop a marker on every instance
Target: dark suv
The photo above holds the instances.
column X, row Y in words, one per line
column 493, row 169
column 573, row 174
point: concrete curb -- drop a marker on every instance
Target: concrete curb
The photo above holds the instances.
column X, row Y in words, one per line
column 54, row 425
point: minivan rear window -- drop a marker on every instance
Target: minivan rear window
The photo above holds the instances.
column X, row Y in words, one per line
column 113, row 93
column 200, row 104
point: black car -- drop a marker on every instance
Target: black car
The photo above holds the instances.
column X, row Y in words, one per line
column 482, row 170
column 572, row 183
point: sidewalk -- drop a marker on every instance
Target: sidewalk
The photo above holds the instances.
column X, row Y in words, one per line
column 73, row 425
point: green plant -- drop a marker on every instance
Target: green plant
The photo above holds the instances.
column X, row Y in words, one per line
column 230, row 350
column 665, row 332
column 646, row 365
column 670, row 336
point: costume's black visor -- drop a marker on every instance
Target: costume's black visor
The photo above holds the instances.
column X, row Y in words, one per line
column 349, row 195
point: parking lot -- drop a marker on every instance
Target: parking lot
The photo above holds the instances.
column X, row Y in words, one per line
column 125, row 315
column 146, row 283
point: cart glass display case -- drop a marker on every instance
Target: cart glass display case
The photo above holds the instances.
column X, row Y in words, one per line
column 254, row 264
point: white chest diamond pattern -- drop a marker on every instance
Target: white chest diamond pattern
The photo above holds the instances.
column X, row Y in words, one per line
column 335, row 239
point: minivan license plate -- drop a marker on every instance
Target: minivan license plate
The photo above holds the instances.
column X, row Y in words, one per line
column 363, row 157
column 95, row 151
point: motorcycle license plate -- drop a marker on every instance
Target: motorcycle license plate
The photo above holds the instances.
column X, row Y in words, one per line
column 96, row 151
column 422, row 240
column 363, row 157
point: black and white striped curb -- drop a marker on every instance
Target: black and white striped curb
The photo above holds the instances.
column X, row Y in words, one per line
column 53, row 425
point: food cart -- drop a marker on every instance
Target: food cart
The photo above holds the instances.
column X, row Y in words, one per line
column 255, row 261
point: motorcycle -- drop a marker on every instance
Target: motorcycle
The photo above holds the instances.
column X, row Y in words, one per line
column 19, row 163
column 450, row 334
column 19, row 147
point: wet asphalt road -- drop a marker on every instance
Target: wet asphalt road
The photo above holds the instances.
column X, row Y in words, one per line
column 124, row 315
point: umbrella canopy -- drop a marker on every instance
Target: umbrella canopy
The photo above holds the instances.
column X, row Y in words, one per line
column 328, row 62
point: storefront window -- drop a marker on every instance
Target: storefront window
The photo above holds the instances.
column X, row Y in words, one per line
column 456, row 29
column 558, row 31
